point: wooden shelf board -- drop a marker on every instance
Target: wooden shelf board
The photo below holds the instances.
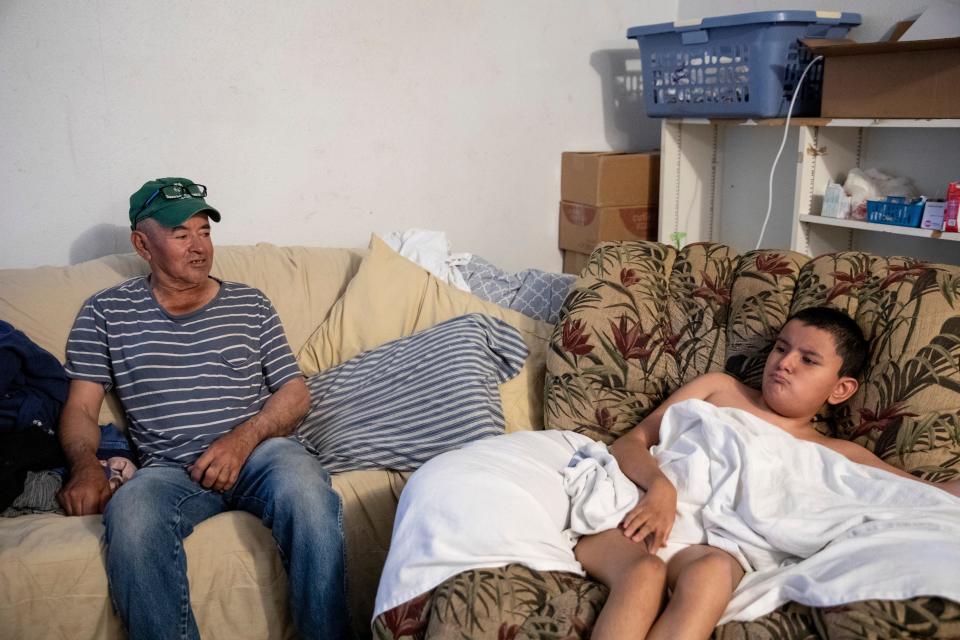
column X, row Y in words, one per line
column 938, row 123
column 882, row 228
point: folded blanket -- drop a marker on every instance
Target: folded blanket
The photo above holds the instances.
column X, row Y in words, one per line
column 808, row 525
column 538, row 294
column 494, row 502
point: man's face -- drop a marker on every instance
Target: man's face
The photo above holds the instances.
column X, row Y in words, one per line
column 802, row 371
column 181, row 255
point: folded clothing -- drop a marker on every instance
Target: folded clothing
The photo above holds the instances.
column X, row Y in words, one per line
column 430, row 250
column 400, row 404
column 33, row 384
column 22, row 452
column 535, row 293
column 39, row 495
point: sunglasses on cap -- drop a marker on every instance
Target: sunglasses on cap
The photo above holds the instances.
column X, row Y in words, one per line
column 174, row 191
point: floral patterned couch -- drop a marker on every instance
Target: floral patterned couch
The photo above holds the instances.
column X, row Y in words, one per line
column 643, row 319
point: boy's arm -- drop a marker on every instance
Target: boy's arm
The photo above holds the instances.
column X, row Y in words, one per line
column 656, row 510
column 861, row 455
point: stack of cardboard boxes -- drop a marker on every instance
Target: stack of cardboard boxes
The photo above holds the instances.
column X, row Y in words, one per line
column 606, row 196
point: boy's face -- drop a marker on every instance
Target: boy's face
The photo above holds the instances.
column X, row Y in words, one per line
column 803, row 371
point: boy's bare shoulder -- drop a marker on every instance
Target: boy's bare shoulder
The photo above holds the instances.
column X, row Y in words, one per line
column 847, row 448
column 717, row 378
column 717, row 382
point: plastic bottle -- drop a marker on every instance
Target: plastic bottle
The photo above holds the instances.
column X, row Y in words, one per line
column 953, row 206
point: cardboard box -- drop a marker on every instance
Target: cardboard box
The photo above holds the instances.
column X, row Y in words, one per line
column 574, row 262
column 915, row 79
column 605, row 179
column 583, row 227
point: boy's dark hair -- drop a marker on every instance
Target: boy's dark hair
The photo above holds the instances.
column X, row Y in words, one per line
column 848, row 339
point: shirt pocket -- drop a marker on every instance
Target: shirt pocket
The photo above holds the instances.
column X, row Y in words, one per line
column 241, row 358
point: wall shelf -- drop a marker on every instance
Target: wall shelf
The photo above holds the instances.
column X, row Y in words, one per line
column 879, row 228
column 900, row 123
column 705, row 162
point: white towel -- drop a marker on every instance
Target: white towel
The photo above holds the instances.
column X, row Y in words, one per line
column 495, row 502
column 809, row 525
column 600, row 494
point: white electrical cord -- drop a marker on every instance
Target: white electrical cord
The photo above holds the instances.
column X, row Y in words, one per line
column 786, row 130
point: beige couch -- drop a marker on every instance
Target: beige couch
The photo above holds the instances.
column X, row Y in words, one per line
column 334, row 303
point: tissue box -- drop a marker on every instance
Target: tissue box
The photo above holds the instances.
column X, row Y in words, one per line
column 836, row 202
column 933, row 215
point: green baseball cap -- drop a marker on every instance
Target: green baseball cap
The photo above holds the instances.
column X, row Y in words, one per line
column 170, row 201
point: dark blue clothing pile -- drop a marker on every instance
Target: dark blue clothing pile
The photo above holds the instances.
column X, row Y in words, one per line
column 33, row 389
column 33, row 385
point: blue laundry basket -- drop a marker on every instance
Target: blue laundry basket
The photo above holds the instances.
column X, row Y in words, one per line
column 743, row 65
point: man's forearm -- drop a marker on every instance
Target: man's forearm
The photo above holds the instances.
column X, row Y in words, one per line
column 79, row 437
column 282, row 412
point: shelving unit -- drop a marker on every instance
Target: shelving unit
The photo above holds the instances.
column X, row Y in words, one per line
column 693, row 186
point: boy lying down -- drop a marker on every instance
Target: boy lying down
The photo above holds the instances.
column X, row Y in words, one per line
column 742, row 504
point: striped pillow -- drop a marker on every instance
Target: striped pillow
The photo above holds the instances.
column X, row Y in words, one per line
column 404, row 402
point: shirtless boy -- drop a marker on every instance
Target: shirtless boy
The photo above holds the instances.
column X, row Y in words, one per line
column 816, row 359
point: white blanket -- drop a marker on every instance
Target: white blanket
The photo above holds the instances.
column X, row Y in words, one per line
column 809, row 525
column 495, row 502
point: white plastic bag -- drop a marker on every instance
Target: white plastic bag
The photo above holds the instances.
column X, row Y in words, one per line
column 873, row 184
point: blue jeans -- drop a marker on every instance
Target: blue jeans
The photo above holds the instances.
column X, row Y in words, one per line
column 283, row 485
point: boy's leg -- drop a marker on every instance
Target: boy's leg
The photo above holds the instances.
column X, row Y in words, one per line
column 146, row 521
column 288, row 489
column 635, row 578
column 702, row 579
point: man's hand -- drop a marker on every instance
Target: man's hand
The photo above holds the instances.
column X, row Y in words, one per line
column 219, row 466
column 653, row 516
column 87, row 491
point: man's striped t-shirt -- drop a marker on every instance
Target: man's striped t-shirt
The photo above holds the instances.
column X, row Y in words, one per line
column 183, row 380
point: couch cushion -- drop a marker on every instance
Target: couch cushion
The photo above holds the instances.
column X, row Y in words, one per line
column 302, row 282
column 642, row 319
column 498, row 604
column 704, row 309
column 406, row 401
column 391, row 297
column 53, row 583
column 907, row 410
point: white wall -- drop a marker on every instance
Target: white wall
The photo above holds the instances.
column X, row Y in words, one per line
column 878, row 15
column 311, row 122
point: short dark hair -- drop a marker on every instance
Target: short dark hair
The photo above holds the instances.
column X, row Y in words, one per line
column 848, row 339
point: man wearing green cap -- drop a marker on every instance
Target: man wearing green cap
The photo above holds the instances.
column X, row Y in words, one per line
column 211, row 390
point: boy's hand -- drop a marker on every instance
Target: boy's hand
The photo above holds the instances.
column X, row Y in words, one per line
column 653, row 516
